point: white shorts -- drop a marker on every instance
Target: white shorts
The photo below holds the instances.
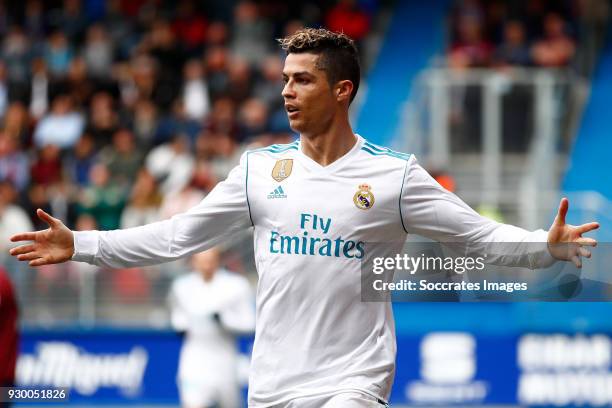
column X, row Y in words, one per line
column 196, row 394
column 349, row 399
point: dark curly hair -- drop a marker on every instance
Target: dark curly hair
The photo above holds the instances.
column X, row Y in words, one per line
column 338, row 55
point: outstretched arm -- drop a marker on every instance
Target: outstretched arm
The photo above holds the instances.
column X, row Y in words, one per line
column 222, row 213
column 431, row 211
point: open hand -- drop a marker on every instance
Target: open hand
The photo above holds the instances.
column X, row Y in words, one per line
column 50, row 246
column 565, row 242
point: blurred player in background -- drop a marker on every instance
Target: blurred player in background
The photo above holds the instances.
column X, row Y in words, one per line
column 210, row 306
column 9, row 337
column 316, row 206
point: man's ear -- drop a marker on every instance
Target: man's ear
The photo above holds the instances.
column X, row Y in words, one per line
column 343, row 90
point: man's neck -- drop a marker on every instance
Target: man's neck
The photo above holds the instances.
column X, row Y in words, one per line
column 325, row 148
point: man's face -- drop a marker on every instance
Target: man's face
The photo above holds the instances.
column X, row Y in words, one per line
column 309, row 101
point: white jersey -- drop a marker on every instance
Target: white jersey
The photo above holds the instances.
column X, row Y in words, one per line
column 312, row 226
column 209, row 357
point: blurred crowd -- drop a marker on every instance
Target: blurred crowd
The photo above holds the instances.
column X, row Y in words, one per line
column 497, row 33
column 118, row 113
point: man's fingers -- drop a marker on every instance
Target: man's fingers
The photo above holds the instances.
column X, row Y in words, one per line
column 39, row 262
column 25, row 236
column 563, row 206
column 584, row 228
column 46, row 217
column 584, row 252
column 28, row 256
column 576, row 260
column 585, row 241
column 23, row 249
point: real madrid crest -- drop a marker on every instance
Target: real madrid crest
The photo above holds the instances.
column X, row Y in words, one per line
column 363, row 198
column 282, row 169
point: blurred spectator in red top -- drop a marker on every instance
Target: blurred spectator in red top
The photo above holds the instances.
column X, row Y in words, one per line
column 190, row 26
column 9, row 336
column 217, row 34
column 47, row 169
column 514, row 49
column 349, row 18
column 471, row 49
column 556, row 48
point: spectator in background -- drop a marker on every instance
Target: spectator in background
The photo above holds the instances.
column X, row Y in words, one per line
column 79, row 162
column 14, row 165
column 12, row 218
column 161, row 44
column 253, row 120
column 240, row 80
column 175, row 122
column 37, row 198
column 77, row 84
column 101, row 199
column 47, row 168
column 58, row 54
column 171, row 164
column 348, row 18
column 190, row 27
column 217, row 62
column 103, row 120
column 98, row 52
column 210, row 306
column 62, row 126
column 144, row 202
column 470, row 49
column 251, row 34
column 70, row 19
column 144, row 123
column 9, row 335
column 556, row 48
column 195, row 91
column 39, row 88
column 270, row 84
column 514, row 49
column 180, row 201
column 16, row 54
column 122, row 159
column 34, row 20
column 221, row 125
column 16, row 122
column 217, row 34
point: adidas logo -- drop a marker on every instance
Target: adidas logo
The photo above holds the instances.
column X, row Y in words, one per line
column 277, row 193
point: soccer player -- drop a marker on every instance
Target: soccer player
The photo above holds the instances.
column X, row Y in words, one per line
column 209, row 306
column 315, row 206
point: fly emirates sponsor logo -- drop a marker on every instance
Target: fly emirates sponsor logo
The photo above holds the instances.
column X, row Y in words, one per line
column 315, row 240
